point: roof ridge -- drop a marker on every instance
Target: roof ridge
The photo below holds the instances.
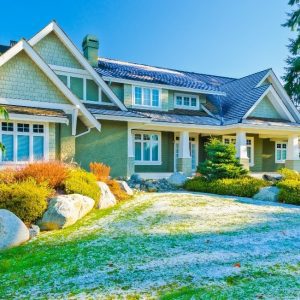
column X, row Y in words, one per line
column 164, row 68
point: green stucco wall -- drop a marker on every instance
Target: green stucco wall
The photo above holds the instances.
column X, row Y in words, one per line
column 265, row 109
column 21, row 78
column 167, row 156
column 269, row 164
column 54, row 52
column 108, row 146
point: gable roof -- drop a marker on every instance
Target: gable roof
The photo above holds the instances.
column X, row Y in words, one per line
column 88, row 118
column 53, row 27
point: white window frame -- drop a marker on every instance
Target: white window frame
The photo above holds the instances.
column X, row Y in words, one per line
column 147, row 162
column 31, row 134
column 190, row 96
column 251, row 138
column 84, row 77
column 280, row 161
column 143, row 106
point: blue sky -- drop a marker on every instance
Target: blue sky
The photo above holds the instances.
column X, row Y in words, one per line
column 222, row 37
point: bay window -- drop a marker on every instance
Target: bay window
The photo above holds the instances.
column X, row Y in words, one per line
column 280, row 152
column 23, row 142
column 147, row 97
column 147, row 148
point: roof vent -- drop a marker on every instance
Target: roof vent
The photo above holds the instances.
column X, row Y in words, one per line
column 90, row 47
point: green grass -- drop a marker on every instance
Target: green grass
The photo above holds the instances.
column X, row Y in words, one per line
column 168, row 246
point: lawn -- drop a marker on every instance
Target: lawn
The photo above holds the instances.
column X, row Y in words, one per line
column 169, row 246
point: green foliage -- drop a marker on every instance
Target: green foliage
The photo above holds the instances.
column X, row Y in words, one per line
column 243, row 187
column 221, row 161
column 82, row 182
column 289, row 174
column 3, row 113
column 289, row 191
column 27, row 199
column 291, row 78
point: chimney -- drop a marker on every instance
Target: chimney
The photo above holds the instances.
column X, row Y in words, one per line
column 90, row 47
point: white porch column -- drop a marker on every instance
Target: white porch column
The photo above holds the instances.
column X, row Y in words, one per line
column 184, row 163
column 241, row 148
column 130, row 153
column 292, row 158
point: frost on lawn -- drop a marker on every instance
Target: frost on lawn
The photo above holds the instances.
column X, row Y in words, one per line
column 161, row 242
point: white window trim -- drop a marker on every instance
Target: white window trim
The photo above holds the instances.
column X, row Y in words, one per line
column 143, row 106
column 84, row 77
column 143, row 162
column 190, row 96
column 281, row 161
column 15, row 134
column 230, row 137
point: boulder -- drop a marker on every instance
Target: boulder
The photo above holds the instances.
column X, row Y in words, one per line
column 136, row 178
column 107, row 198
column 269, row 193
column 177, row 179
column 272, row 177
column 125, row 187
column 13, row 231
column 65, row 210
column 34, row 231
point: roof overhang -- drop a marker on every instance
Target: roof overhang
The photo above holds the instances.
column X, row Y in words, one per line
column 34, row 118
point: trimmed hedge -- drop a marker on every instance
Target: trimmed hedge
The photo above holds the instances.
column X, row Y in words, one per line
column 27, row 199
column 82, row 182
column 242, row 187
column 289, row 191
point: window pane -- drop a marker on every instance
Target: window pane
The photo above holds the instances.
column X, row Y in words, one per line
column 138, row 151
column 278, row 155
column 249, row 154
column 23, row 148
column 146, row 152
column 76, row 86
column 284, row 146
column 8, row 142
column 186, row 101
column 179, row 100
column 63, row 78
column 7, row 126
column 146, row 137
column 38, row 128
column 193, row 102
column 193, row 155
column 155, row 97
column 278, row 146
column 147, row 97
column 137, row 136
column 92, row 91
column 283, row 154
column 23, row 127
column 38, row 147
column 138, row 95
column 154, row 137
column 177, row 150
column 155, row 152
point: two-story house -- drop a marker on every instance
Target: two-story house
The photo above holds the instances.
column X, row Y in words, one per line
column 72, row 105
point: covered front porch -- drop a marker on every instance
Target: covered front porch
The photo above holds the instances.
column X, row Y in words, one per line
column 158, row 151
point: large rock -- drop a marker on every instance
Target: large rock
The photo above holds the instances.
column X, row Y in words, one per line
column 13, row 231
column 269, row 193
column 65, row 210
column 34, row 231
column 272, row 177
column 177, row 179
column 107, row 198
column 125, row 187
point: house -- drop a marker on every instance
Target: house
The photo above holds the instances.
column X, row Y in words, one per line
column 74, row 106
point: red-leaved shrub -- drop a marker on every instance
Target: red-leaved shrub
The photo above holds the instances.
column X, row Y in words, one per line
column 100, row 170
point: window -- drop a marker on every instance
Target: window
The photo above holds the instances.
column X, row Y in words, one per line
column 23, row 142
column 186, row 101
column 147, row 147
column 146, row 97
column 83, row 87
column 280, row 152
column 249, row 144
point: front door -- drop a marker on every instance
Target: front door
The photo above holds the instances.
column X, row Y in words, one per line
column 193, row 152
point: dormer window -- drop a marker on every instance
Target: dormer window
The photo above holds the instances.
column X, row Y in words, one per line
column 146, row 97
column 186, row 101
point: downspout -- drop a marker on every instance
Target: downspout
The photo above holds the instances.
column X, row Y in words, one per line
column 84, row 133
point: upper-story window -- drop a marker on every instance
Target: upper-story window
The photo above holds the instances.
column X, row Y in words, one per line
column 147, row 97
column 82, row 87
column 186, row 101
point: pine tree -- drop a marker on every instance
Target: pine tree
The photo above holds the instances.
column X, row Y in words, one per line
column 221, row 161
column 292, row 76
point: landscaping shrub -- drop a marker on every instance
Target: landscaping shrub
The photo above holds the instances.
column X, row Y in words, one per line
column 27, row 199
column 100, row 170
column 54, row 173
column 117, row 191
column 8, row 175
column 221, row 161
column 289, row 174
column 243, row 187
column 289, row 191
column 82, row 182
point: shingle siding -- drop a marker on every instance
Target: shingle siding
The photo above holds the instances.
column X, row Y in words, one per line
column 21, row 78
column 265, row 109
column 54, row 52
